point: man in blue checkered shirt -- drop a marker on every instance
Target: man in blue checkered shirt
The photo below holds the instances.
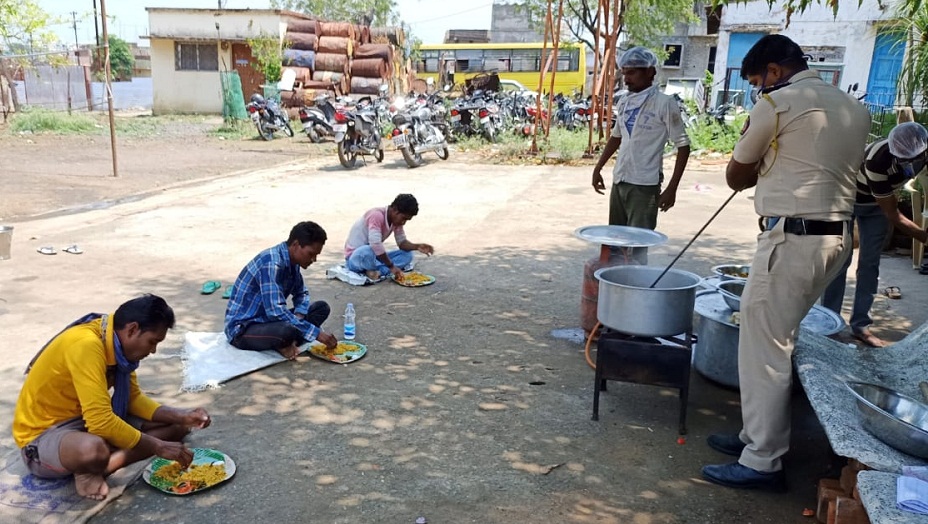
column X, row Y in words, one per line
column 258, row 318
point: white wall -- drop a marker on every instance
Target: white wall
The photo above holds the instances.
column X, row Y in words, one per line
column 234, row 24
column 199, row 91
column 183, row 91
column 853, row 28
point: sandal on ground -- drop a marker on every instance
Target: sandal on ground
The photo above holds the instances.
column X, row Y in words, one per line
column 893, row 292
column 47, row 250
column 227, row 294
column 73, row 249
column 871, row 340
column 210, row 287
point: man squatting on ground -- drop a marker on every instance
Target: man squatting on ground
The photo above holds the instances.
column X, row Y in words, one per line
column 65, row 421
column 364, row 249
column 257, row 317
column 887, row 166
column 801, row 149
column 647, row 120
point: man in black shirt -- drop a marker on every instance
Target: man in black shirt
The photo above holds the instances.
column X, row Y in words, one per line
column 889, row 164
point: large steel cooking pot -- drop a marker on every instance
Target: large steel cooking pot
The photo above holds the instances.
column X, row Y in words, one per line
column 628, row 304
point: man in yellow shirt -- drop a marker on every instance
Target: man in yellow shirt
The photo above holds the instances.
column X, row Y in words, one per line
column 65, row 421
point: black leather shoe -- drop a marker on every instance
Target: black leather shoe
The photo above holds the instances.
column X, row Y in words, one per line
column 726, row 443
column 738, row 476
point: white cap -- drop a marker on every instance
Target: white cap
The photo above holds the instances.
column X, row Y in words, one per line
column 908, row 140
column 638, row 57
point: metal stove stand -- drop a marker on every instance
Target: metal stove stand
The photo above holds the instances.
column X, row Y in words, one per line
column 663, row 361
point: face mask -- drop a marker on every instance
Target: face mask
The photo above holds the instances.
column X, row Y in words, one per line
column 912, row 167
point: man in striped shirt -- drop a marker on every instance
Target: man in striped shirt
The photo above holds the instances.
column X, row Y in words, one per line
column 889, row 164
column 257, row 317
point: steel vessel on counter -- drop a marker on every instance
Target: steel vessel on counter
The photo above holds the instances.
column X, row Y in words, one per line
column 628, row 304
column 716, row 353
column 895, row 419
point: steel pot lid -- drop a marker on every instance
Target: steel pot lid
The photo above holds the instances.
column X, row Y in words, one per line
column 621, row 236
column 820, row 320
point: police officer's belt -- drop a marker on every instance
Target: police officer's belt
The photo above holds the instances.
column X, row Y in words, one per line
column 800, row 226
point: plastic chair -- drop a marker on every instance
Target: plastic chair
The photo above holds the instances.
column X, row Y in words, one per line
column 919, row 213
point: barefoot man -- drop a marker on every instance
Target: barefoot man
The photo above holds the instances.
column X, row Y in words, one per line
column 258, row 319
column 66, row 423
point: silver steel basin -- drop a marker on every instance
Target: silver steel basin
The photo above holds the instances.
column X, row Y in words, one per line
column 731, row 292
column 897, row 420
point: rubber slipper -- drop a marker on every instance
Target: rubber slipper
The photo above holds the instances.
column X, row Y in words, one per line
column 47, row 250
column 893, row 292
column 73, row 249
column 227, row 294
column 210, row 287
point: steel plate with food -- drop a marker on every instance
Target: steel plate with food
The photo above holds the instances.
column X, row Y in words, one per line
column 345, row 352
column 208, row 469
column 732, row 271
column 415, row 279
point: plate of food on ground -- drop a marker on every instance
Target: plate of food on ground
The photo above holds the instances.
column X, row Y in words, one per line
column 208, row 469
column 344, row 353
column 414, row 279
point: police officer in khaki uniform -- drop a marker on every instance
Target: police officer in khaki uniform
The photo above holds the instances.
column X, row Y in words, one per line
column 801, row 149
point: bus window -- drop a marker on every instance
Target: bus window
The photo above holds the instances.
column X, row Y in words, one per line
column 567, row 59
column 468, row 60
column 496, row 60
column 525, row 60
column 428, row 63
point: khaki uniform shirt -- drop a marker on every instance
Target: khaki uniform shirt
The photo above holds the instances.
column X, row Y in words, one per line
column 820, row 133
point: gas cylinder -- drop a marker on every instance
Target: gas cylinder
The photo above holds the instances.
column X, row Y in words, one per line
column 589, row 296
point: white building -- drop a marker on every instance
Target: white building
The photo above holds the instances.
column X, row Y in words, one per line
column 189, row 48
column 847, row 50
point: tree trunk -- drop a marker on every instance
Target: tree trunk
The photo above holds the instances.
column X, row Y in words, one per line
column 7, row 71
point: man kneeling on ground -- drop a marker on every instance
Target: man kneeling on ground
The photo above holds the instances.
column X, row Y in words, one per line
column 65, row 421
column 364, row 249
column 258, row 318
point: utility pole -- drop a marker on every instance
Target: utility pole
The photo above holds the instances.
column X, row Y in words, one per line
column 74, row 25
column 107, row 86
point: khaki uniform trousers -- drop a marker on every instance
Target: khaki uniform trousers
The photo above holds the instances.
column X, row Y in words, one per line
column 787, row 276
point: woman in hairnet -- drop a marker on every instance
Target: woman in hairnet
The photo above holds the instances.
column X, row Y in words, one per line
column 889, row 163
column 647, row 120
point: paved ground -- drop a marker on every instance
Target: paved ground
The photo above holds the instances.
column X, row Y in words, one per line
column 465, row 400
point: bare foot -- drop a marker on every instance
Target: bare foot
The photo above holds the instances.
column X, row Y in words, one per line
column 290, row 352
column 870, row 339
column 91, row 486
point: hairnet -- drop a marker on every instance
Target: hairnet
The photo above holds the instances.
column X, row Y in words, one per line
column 908, row 140
column 638, row 57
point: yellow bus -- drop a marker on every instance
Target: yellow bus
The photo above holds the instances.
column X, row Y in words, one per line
column 521, row 62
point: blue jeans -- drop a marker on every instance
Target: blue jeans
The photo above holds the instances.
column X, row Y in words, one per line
column 872, row 224
column 363, row 259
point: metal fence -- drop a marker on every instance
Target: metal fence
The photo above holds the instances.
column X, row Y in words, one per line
column 55, row 88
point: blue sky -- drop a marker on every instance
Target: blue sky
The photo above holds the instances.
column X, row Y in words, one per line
column 429, row 19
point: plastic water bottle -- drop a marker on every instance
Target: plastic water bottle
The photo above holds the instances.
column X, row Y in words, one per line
column 349, row 322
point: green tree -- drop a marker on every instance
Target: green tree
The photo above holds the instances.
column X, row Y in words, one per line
column 23, row 29
column 368, row 12
column 121, row 59
column 643, row 22
column 911, row 31
column 266, row 51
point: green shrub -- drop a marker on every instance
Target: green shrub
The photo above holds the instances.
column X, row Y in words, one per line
column 45, row 121
column 706, row 134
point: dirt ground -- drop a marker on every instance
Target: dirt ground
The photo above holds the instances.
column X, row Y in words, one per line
column 465, row 401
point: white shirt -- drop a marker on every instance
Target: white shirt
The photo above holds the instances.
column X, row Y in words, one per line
column 656, row 121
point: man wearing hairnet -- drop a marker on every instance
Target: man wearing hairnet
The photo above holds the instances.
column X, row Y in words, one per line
column 647, row 120
column 800, row 153
column 889, row 164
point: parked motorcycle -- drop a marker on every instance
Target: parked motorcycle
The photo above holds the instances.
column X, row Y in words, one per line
column 268, row 117
column 357, row 133
column 414, row 134
column 319, row 121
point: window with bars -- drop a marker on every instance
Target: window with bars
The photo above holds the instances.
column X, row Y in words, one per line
column 196, row 57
